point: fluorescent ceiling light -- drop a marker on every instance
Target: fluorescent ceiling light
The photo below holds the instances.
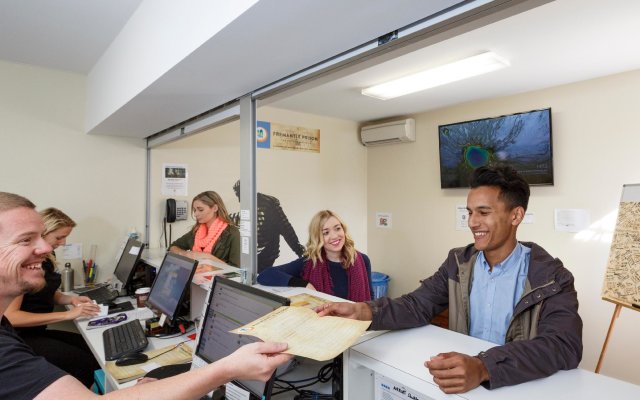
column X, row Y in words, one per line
column 456, row 71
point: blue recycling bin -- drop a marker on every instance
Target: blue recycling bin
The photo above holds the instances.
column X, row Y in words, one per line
column 380, row 283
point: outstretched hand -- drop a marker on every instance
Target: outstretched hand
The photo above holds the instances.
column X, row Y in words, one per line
column 457, row 373
column 256, row 361
column 359, row 311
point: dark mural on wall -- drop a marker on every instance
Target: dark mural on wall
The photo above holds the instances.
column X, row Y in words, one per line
column 271, row 224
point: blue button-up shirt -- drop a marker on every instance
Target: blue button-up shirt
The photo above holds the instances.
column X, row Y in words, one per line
column 495, row 293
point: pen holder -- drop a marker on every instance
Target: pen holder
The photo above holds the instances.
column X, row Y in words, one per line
column 90, row 272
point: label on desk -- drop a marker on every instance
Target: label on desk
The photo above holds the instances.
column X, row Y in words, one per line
column 388, row 389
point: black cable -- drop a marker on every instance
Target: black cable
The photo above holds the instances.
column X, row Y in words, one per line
column 166, row 351
column 190, row 328
column 164, row 231
column 325, row 374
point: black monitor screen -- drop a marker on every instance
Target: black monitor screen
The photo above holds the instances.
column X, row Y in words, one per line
column 171, row 284
column 128, row 260
column 231, row 305
column 521, row 140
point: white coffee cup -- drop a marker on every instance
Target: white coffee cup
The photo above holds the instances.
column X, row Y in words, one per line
column 142, row 295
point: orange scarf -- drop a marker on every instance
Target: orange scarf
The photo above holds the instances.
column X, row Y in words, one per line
column 204, row 240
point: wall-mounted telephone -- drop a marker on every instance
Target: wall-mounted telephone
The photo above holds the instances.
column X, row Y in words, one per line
column 176, row 210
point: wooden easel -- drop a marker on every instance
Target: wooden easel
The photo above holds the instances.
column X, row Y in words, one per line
column 614, row 317
column 619, row 259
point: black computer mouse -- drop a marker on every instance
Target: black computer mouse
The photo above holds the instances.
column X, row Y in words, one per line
column 131, row 359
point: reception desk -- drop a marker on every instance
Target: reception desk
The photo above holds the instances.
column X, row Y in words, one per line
column 398, row 356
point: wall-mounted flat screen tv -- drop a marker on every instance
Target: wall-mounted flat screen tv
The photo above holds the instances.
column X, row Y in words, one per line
column 522, row 140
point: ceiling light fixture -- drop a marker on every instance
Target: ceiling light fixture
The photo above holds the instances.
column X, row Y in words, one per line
column 455, row 71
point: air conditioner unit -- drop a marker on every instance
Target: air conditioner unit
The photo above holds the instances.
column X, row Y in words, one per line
column 398, row 131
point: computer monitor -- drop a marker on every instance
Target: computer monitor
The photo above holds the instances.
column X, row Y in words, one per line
column 229, row 306
column 128, row 260
column 171, row 286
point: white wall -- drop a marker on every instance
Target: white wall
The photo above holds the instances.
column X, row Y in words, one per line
column 98, row 181
column 595, row 142
column 304, row 182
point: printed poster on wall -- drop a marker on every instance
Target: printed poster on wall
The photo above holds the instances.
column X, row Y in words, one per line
column 287, row 137
column 174, row 179
column 383, row 220
column 462, row 217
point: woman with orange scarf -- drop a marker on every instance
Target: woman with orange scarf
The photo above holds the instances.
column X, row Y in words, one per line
column 213, row 237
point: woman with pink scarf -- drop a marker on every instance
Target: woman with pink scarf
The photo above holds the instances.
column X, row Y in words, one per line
column 213, row 237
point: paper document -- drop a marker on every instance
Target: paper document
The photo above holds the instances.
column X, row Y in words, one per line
column 200, row 278
column 104, row 311
column 308, row 335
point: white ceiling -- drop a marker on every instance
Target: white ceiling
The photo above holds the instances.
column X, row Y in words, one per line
column 560, row 42
column 269, row 41
column 68, row 35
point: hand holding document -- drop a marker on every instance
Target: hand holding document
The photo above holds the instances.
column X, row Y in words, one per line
column 307, row 300
column 308, row 335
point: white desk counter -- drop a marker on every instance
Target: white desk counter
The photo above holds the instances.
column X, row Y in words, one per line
column 399, row 355
column 154, row 257
column 93, row 337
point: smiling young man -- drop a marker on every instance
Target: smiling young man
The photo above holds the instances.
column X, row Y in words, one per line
column 507, row 292
column 27, row 376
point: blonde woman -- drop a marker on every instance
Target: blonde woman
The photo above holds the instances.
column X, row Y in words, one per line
column 330, row 264
column 213, row 237
column 30, row 313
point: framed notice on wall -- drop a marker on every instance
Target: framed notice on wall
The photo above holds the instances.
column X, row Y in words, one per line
column 174, row 179
column 622, row 276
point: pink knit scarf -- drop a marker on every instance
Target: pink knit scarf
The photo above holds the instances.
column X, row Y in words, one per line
column 205, row 239
column 320, row 277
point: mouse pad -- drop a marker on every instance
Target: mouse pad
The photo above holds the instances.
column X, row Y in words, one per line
column 169, row 355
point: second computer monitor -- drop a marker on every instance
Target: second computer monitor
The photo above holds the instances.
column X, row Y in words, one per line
column 171, row 285
column 231, row 305
column 128, row 261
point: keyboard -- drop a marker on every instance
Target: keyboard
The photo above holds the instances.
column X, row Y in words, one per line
column 122, row 339
column 85, row 289
column 101, row 294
